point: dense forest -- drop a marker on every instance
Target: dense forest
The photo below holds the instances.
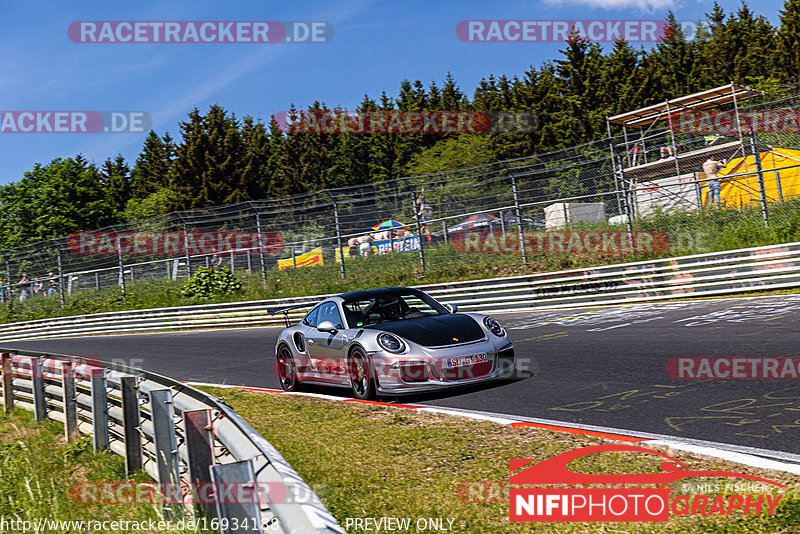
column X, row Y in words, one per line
column 219, row 158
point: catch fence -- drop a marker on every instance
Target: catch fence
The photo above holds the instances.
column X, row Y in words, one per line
column 601, row 202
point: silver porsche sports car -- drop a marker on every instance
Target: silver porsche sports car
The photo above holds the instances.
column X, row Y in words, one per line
column 390, row 341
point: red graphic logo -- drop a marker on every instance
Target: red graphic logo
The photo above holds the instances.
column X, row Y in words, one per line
column 620, row 504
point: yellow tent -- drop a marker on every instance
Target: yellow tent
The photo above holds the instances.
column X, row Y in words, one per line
column 744, row 190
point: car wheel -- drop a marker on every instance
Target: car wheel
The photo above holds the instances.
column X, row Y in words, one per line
column 361, row 379
column 287, row 369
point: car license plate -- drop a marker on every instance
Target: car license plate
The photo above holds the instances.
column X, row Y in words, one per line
column 471, row 359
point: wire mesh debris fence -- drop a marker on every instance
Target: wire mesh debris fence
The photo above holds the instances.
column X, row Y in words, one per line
column 600, row 202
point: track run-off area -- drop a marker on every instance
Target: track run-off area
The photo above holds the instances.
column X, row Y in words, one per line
column 605, row 366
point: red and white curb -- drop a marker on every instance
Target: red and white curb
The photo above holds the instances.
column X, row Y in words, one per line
column 750, row 456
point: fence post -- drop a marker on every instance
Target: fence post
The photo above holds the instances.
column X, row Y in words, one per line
column 97, row 280
column 70, row 403
column 10, row 285
column 131, row 424
column 37, row 382
column 760, row 173
column 200, row 452
column 61, row 279
column 260, row 245
column 166, row 450
column 99, row 410
column 186, row 246
column 627, row 194
column 338, row 234
column 413, row 191
column 778, row 182
column 121, row 267
column 518, row 213
column 8, row 382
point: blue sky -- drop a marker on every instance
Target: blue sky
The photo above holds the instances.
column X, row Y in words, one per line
column 375, row 46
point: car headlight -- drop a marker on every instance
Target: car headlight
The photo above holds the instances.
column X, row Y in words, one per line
column 390, row 343
column 493, row 326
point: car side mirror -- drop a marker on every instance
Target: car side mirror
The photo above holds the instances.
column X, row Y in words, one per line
column 327, row 326
column 452, row 308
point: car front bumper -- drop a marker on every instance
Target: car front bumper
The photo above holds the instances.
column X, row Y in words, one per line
column 393, row 381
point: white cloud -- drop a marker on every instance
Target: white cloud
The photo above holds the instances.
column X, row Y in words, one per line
column 641, row 5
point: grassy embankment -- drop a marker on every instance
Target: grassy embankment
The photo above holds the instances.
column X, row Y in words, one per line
column 38, row 468
column 690, row 233
column 413, row 463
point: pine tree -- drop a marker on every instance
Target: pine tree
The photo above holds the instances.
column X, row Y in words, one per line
column 208, row 169
column 788, row 44
column 116, row 181
column 152, row 168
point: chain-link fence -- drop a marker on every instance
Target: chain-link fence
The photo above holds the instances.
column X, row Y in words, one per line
column 602, row 202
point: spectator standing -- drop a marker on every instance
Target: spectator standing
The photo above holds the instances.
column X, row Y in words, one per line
column 710, row 168
column 365, row 246
column 352, row 244
column 24, row 287
column 52, row 285
column 216, row 259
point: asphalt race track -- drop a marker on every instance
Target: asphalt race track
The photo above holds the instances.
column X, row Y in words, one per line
column 600, row 366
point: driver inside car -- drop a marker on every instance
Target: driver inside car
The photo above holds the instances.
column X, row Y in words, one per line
column 391, row 309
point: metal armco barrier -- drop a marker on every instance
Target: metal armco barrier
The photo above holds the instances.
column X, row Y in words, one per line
column 701, row 275
column 177, row 434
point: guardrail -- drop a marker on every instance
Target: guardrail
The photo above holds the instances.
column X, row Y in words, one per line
column 184, row 438
column 701, row 275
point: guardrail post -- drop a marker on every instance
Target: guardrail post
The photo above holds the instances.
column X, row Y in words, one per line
column 70, row 404
column 99, row 410
column 200, row 450
column 242, row 513
column 131, row 424
column 8, row 382
column 166, row 452
column 37, row 382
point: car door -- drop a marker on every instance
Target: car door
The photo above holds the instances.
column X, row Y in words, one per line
column 325, row 349
column 307, row 327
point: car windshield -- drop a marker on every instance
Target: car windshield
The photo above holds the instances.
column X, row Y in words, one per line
column 389, row 307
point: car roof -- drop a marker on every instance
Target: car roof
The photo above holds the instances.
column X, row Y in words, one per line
column 369, row 293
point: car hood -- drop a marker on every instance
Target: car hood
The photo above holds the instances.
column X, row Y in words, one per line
column 435, row 330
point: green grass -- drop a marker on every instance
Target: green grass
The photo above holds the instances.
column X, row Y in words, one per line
column 690, row 233
column 371, row 461
column 38, row 468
